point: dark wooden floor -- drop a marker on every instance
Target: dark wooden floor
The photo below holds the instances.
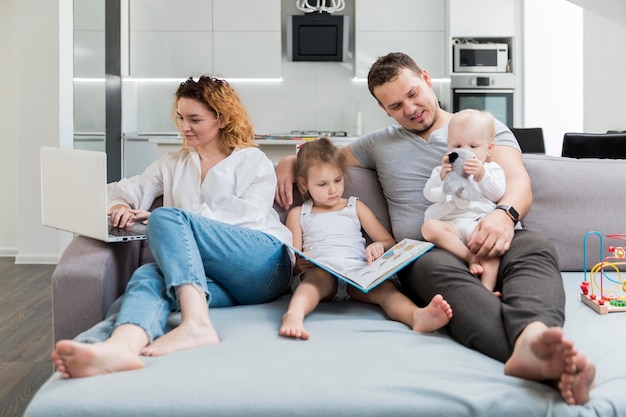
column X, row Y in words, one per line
column 25, row 333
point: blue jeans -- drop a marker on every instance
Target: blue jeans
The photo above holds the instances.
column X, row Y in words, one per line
column 231, row 264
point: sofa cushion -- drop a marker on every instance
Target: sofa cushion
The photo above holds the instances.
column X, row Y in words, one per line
column 572, row 197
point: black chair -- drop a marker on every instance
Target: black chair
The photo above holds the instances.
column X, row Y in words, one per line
column 530, row 139
column 594, row 145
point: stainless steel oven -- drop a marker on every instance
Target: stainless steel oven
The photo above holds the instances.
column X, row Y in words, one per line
column 490, row 92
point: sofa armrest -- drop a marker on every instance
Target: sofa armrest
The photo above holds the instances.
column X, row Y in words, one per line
column 89, row 276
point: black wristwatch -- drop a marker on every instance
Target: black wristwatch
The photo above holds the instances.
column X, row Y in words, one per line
column 510, row 210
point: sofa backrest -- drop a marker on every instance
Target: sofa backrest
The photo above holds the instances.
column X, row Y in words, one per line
column 572, row 197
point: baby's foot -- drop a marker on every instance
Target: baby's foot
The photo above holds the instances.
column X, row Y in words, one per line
column 476, row 268
column 78, row 360
column 432, row 317
column 293, row 326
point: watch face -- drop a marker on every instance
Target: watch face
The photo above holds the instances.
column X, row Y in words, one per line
column 513, row 212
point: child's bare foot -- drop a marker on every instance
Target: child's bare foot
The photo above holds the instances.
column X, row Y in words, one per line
column 575, row 386
column 186, row 336
column 432, row 317
column 541, row 353
column 78, row 360
column 293, row 326
column 475, row 267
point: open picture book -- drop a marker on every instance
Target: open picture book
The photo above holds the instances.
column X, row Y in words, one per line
column 367, row 277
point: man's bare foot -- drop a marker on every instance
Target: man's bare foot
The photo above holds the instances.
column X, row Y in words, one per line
column 78, row 360
column 432, row 317
column 575, row 386
column 293, row 326
column 186, row 336
column 541, row 354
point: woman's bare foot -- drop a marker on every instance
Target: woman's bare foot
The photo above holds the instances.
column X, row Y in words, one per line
column 78, row 360
column 188, row 335
column 293, row 326
column 432, row 317
column 575, row 386
column 541, row 353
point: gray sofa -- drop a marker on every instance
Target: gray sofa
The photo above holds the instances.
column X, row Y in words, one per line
column 357, row 363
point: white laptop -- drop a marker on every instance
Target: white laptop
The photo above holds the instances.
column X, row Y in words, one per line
column 74, row 195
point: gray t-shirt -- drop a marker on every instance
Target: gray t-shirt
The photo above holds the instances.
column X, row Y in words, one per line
column 403, row 162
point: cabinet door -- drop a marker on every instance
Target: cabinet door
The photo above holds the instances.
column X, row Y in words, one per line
column 246, row 15
column 89, row 39
column 428, row 49
column 415, row 27
column 246, row 38
column 171, row 39
column 170, row 54
column 482, row 18
column 168, row 15
column 400, row 15
column 247, row 54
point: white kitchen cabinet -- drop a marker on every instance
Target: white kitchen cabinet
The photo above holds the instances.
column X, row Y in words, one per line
column 415, row 27
column 89, row 39
column 247, row 54
column 247, row 15
column 482, row 18
column 168, row 15
column 400, row 15
column 231, row 38
column 164, row 54
column 247, row 38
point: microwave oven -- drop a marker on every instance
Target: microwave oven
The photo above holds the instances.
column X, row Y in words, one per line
column 481, row 57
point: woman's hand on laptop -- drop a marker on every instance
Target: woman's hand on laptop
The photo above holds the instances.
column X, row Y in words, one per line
column 124, row 216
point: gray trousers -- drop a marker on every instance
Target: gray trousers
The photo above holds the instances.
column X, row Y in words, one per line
column 528, row 277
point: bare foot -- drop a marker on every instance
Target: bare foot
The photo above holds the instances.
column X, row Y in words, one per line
column 186, row 336
column 475, row 267
column 432, row 317
column 78, row 360
column 541, row 353
column 575, row 386
column 293, row 326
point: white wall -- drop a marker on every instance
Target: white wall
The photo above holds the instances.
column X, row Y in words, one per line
column 553, row 69
column 604, row 69
column 8, row 116
column 39, row 81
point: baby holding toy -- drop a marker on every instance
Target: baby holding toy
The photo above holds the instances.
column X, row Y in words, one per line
column 451, row 219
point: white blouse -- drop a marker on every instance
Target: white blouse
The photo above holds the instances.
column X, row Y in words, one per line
column 239, row 190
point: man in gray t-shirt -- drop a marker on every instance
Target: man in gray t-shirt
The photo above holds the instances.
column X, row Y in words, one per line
column 523, row 327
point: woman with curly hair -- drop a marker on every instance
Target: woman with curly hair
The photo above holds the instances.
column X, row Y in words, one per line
column 217, row 241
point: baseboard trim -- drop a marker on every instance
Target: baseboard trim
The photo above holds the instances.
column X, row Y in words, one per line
column 8, row 252
column 37, row 259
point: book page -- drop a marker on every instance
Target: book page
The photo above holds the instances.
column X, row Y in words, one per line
column 391, row 261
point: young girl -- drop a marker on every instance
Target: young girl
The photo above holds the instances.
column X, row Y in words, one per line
column 328, row 227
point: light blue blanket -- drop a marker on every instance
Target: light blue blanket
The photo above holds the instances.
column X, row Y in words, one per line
column 357, row 363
